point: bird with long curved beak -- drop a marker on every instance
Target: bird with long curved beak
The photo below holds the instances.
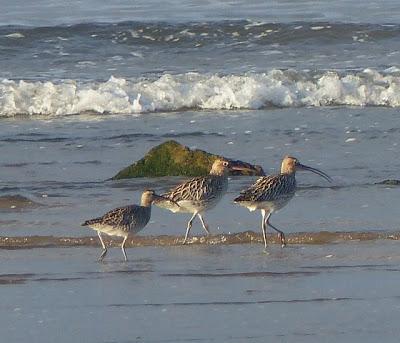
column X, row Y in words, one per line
column 123, row 221
column 200, row 194
column 271, row 193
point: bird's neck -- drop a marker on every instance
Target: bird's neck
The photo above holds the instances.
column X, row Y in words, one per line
column 218, row 172
column 287, row 170
column 290, row 176
column 145, row 203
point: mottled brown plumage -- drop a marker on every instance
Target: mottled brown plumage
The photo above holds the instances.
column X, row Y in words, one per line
column 199, row 194
column 274, row 188
column 271, row 193
column 123, row 221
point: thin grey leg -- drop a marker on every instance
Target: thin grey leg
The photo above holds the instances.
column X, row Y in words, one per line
column 104, row 253
column 205, row 226
column 281, row 235
column 123, row 248
column 189, row 225
column 263, row 227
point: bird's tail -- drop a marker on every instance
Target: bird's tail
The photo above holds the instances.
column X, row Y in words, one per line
column 240, row 198
column 166, row 203
column 91, row 221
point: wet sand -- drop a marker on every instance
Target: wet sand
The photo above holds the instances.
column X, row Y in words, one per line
column 345, row 292
column 247, row 237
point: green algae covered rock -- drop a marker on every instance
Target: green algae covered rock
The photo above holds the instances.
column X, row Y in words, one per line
column 173, row 159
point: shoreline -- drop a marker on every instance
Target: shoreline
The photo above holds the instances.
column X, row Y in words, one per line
column 246, row 237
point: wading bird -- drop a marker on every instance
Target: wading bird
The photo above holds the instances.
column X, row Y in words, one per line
column 271, row 193
column 124, row 221
column 199, row 194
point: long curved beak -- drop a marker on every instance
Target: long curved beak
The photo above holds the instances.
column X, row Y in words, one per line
column 300, row 166
column 242, row 168
column 233, row 165
column 158, row 198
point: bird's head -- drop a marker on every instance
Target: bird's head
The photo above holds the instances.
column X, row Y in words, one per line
column 291, row 165
column 149, row 197
column 223, row 166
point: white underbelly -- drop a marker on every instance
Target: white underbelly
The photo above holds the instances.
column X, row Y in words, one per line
column 269, row 206
column 109, row 230
column 190, row 206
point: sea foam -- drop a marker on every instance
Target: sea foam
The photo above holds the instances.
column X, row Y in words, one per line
column 277, row 88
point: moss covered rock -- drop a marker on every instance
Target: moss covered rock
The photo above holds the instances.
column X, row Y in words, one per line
column 173, row 159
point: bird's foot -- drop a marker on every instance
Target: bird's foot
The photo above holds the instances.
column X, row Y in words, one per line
column 282, row 238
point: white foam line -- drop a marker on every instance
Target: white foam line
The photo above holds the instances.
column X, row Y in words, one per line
column 200, row 91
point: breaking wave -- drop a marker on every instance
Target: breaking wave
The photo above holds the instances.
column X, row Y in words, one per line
column 276, row 88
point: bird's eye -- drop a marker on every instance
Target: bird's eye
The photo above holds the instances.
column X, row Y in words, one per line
column 225, row 164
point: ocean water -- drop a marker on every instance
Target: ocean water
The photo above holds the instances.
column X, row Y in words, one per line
column 86, row 88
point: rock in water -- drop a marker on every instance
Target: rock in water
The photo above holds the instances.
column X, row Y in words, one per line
column 390, row 182
column 174, row 159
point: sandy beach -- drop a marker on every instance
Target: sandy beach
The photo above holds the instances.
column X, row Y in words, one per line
column 306, row 293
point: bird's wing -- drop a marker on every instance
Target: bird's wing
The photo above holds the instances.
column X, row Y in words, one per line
column 199, row 188
column 266, row 188
column 118, row 217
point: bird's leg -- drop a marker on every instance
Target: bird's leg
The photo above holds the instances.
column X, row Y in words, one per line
column 205, row 226
column 189, row 225
column 281, row 235
column 104, row 253
column 123, row 248
column 263, row 227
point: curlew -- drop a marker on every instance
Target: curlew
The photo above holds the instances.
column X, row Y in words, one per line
column 123, row 221
column 271, row 193
column 199, row 194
